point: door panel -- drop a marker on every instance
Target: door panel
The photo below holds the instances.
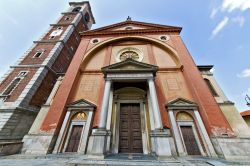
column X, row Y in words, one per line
column 130, row 140
column 74, row 138
column 190, row 141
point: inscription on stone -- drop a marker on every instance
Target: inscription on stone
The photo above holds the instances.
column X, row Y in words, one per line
column 88, row 85
column 172, row 84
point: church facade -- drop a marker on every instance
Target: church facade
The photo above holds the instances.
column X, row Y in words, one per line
column 130, row 87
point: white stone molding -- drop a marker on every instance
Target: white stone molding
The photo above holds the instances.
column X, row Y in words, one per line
column 207, row 142
column 64, row 134
column 177, row 136
column 155, row 105
column 196, row 124
column 136, row 50
column 105, row 104
column 109, row 119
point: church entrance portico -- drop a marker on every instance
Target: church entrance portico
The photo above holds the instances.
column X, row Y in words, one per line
column 118, row 134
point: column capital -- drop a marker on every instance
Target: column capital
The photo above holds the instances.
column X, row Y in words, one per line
column 107, row 79
column 151, row 79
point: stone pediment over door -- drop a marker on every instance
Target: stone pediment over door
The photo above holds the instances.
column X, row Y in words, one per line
column 181, row 103
column 130, row 66
column 81, row 104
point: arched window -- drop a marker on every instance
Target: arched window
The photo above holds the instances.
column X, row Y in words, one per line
column 184, row 116
column 211, row 88
column 77, row 9
column 129, row 54
column 12, row 86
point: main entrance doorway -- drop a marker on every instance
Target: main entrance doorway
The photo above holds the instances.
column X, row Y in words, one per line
column 130, row 136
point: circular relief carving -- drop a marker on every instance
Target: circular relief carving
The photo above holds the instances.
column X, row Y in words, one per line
column 164, row 38
column 128, row 28
column 130, row 52
column 95, row 41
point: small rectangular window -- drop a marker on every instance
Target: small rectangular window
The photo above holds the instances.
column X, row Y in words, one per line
column 67, row 18
column 38, row 54
column 59, row 28
column 22, row 74
column 51, row 37
column 11, row 86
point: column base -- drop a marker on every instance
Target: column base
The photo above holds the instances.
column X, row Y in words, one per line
column 232, row 148
column 37, row 144
column 163, row 147
column 97, row 146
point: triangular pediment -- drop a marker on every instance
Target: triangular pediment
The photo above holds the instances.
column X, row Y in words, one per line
column 135, row 26
column 81, row 104
column 181, row 102
column 129, row 65
column 127, row 27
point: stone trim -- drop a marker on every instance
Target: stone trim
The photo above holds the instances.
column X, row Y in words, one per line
column 31, row 87
column 67, row 125
column 183, row 104
column 136, row 23
column 6, row 75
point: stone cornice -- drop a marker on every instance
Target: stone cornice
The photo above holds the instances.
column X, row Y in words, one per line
column 129, row 32
column 147, row 28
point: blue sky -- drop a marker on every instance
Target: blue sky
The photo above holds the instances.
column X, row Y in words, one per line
column 216, row 31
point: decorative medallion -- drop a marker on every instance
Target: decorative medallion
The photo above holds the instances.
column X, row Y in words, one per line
column 133, row 53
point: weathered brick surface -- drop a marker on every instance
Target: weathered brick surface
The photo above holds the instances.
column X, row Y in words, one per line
column 18, row 90
column 44, row 90
column 31, row 60
column 63, row 21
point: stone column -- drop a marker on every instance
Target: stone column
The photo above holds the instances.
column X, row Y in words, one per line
column 154, row 102
column 177, row 135
column 105, row 104
column 208, row 143
column 97, row 146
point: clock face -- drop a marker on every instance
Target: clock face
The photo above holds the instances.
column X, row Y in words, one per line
column 129, row 54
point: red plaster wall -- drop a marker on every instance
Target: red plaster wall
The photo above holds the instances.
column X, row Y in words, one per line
column 214, row 120
column 57, row 112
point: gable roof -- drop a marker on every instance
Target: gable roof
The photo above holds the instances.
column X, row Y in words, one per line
column 181, row 103
column 245, row 113
column 145, row 28
column 129, row 65
column 82, row 103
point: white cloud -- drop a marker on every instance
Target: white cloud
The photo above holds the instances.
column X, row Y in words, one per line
column 220, row 26
column 245, row 73
column 240, row 20
column 213, row 13
column 231, row 5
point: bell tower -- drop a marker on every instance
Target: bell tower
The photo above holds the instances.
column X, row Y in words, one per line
column 26, row 87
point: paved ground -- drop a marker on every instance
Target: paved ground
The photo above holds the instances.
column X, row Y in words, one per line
column 81, row 160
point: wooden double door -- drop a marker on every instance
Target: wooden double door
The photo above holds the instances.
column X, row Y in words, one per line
column 74, row 138
column 130, row 135
column 190, row 140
